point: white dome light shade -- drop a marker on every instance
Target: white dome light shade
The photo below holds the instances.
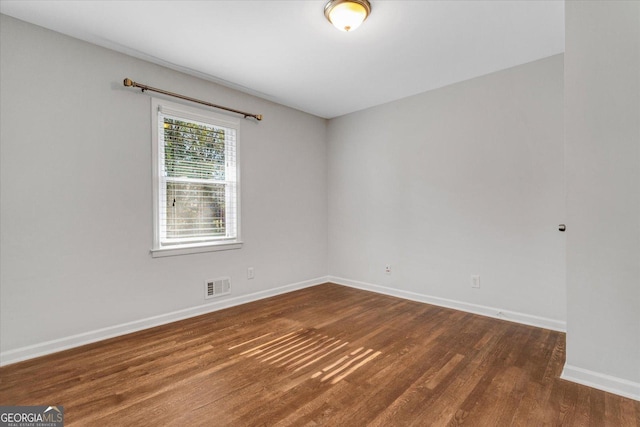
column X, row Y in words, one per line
column 347, row 15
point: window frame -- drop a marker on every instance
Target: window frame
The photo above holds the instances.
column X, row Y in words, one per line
column 188, row 113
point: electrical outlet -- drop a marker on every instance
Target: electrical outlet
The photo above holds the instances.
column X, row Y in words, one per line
column 387, row 269
column 475, row 281
column 250, row 273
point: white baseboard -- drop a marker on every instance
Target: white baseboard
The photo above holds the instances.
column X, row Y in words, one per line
column 602, row 382
column 53, row 346
column 497, row 313
column 586, row 377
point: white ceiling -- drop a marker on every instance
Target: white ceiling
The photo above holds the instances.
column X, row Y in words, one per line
column 287, row 52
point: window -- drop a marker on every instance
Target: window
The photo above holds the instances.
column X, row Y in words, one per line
column 195, row 176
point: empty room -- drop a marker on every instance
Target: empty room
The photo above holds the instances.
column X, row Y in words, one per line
column 322, row 212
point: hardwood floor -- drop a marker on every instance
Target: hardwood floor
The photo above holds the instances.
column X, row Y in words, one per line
column 327, row 355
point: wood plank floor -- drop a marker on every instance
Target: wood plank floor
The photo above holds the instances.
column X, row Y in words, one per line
column 326, row 355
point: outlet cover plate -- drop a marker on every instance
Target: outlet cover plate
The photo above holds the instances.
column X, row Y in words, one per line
column 475, row 281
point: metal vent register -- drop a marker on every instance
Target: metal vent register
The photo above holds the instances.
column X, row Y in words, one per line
column 217, row 287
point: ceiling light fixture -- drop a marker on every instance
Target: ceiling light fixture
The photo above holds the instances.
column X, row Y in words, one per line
column 347, row 15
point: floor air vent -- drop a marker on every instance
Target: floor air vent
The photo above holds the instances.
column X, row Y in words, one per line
column 217, row 287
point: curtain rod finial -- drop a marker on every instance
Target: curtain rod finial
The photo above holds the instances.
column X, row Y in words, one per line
column 128, row 82
column 259, row 117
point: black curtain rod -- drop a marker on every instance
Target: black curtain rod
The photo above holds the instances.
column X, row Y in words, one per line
column 130, row 83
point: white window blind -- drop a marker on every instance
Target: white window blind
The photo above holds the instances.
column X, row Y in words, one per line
column 196, row 179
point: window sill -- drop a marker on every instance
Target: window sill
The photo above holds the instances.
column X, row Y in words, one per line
column 186, row 250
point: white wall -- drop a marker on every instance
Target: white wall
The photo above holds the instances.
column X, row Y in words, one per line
column 602, row 121
column 466, row 179
column 76, row 221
